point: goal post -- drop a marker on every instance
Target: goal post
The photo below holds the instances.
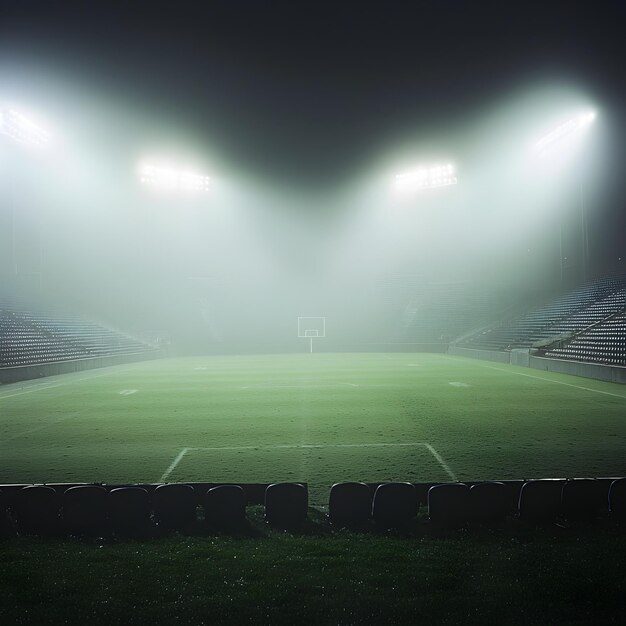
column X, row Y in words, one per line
column 311, row 328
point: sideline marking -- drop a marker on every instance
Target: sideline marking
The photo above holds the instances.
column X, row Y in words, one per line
column 44, row 386
column 128, row 392
column 37, row 428
column 459, row 384
column 430, row 448
column 556, row 382
column 173, row 465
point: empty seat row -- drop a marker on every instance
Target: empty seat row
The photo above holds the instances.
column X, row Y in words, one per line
column 456, row 504
column 132, row 511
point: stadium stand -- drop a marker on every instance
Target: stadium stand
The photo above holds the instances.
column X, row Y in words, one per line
column 395, row 505
column 33, row 336
column 587, row 324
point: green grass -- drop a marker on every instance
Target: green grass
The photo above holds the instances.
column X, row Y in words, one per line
column 543, row 577
column 246, row 418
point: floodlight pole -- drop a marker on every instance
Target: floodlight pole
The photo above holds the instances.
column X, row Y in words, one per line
column 571, row 126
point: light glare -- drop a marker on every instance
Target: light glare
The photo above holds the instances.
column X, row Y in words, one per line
column 427, row 177
column 21, row 129
column 170, row 179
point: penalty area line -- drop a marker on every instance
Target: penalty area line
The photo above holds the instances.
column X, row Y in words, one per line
column 309, row 446
column 173, row 465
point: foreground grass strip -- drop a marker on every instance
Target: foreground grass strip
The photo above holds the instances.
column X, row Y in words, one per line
column 543, row 577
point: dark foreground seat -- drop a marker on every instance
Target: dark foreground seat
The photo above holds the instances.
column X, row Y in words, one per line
column 349, row 504
column 6, row 523
column 583, row 498
column 129, row 511
column 85, row 510
column 617, row 500
column 37, row 510
column 395, row 505
column 175, row 507
column 540, row 501
column 225, row 508
column 488, row 502
column 448, row 504
column 286, row 505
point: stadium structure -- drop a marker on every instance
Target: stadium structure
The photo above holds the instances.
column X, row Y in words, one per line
column 430, row 346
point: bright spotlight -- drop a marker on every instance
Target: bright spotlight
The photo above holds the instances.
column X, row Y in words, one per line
column 429, row 177
column 171, row 179
column 562, row 130
column 21, row 129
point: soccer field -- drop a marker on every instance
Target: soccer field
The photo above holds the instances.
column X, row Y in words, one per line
column 319, row 418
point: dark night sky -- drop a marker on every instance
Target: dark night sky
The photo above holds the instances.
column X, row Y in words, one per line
column 310, row 92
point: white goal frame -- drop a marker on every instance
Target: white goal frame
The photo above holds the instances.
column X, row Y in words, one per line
column 311, row 328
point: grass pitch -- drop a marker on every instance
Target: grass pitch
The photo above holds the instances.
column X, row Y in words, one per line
column 319, row 418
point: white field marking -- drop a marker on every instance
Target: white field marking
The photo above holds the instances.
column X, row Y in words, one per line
column 30, row 431
column 128, row 392
column 442, row 462
column 307, row 446
column 454, row 384
column 45, row 386
column 173, row 465
column 324, row 386
column 556, row 382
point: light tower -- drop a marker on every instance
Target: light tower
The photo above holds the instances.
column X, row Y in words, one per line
column 543, row 148
column 21, row 130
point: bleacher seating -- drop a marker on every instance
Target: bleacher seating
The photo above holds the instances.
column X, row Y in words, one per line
column 143, row 510
column 586, row 324
column 30, row 337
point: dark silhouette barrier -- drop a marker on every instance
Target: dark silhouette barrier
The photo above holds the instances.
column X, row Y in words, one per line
column 583, row 498
column 286, row 505
column 37, row 511
column 85, row 510
column 617, row 500
column 350, row 504
column 225, row 508
column 174, row 507
column 448, row 504
column 540, row 501
column 395, row 505
column 6, row 523
column 129, row 511
column 488, row 502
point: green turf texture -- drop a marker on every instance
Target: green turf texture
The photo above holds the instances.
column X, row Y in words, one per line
column 247, row 418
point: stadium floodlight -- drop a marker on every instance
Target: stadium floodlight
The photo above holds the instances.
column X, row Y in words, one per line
column 171, row 179
column 568, row 127
column 544, row 145
column 21, row 129
column 427, row 177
